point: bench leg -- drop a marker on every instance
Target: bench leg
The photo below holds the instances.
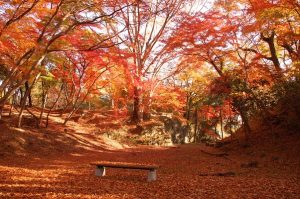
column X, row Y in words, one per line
column 151, row 175
column 100, row 171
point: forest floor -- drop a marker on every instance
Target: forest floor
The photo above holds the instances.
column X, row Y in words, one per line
column 54, row 163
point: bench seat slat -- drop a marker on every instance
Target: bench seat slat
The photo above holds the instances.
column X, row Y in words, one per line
column 125, row 165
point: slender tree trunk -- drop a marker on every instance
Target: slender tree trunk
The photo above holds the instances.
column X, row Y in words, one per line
column 12, row 104
column 188, row 107
column 23, row 101
column 68, row 102
column 221, row 120
column 77, row 103
column 11, row 107
column 44, row 101
column 29, row 95
column 70, row 115
column 196, row 125
column 21, row 96
column 54, row 104
column 43, row 109
column 23, row 104
column 271, row 42
column 147, row 109
column 76, row 106
column 136, row 106
column 188, row 115
column 12, row 89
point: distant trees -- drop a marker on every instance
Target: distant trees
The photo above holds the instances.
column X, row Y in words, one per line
column 147, row 26
column 251, row 45
column 32, row 31
column 217, row 68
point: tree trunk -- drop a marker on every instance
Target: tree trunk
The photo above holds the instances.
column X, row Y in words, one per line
column 54, row 104
column 70, row 115
column 24, row 99
column 12, row 104
column 12, row 89
column 274, row 58
column 10, row 109
column 188, row 106
column 44, row 101
column 147, row 109
column 29, row 95
column 221, row 120
column 21, row 96
column 23, row 104
column 196, row 125
column 135, row 118
column 7, row 95
column 43, row 109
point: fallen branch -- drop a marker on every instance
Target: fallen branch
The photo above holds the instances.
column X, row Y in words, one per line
column 224, row 174
column 215, row 154
column 252, row 164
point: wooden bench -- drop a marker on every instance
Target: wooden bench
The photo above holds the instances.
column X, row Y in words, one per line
column 101, row 166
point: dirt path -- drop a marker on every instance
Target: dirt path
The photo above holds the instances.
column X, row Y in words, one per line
column 186, row 172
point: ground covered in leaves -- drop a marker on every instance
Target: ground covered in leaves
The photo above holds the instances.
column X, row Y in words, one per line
column 55, row 163
column 189, row 171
